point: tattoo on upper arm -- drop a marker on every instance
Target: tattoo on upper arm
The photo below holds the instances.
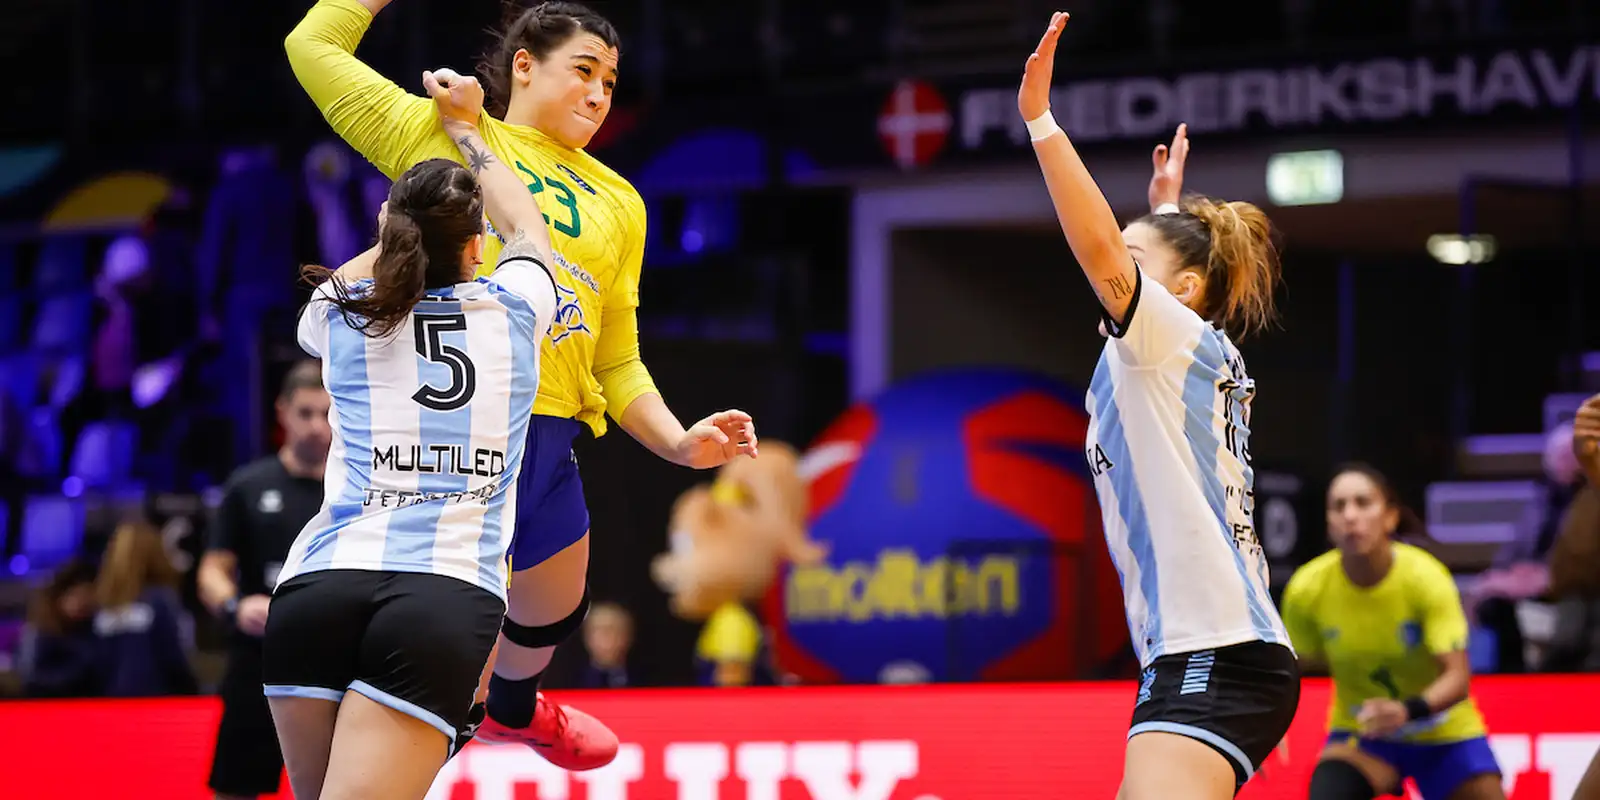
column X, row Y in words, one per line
column 477, row 159
column 1121, row 286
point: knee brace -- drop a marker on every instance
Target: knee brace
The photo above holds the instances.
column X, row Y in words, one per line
column 535, row 637
column 1339, row 780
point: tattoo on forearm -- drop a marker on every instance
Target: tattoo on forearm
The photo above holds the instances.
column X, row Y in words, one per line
column 1120, row 287
column 477, row 159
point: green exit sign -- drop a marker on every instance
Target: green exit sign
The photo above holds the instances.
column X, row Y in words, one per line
column 1306, row 178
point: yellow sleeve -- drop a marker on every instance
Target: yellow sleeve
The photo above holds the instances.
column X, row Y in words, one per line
column 617, row 365
column 392, row 129
column 731, row 634
column 1298, row 617
column 1444, row 624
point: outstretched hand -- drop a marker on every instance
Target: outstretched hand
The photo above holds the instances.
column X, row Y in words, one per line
column 459, row 99
column 1166, row 185
column 1033, row 99
column 718, row 439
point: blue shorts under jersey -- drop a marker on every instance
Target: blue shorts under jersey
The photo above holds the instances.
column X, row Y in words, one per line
column 1436, row 768
column 551, row 513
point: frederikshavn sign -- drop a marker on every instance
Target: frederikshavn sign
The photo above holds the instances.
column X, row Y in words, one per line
column 1304, row 96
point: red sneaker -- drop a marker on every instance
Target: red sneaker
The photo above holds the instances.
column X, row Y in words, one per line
column 565, row 736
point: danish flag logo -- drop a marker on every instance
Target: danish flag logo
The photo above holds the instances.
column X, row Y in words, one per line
column 914, row 123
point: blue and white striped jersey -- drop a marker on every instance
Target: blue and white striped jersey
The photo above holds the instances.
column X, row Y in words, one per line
column 428, row 428
column 1169, row 447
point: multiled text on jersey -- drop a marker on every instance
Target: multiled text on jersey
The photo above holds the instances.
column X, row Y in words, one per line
column 440, row 458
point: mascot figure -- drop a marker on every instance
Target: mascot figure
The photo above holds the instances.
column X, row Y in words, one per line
column 728, row 542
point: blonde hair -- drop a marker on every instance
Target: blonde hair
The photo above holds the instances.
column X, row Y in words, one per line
column 1234, row 246
column 135, row 560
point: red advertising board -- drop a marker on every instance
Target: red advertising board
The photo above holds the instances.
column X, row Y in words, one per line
column 956, row 742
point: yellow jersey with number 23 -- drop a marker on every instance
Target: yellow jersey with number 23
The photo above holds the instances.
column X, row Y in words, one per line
column 597, row 219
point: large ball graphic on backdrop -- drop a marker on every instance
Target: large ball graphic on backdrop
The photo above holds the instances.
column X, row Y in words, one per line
column 964, row 540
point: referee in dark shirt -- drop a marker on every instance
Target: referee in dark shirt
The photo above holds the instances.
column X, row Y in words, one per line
column 264, row 506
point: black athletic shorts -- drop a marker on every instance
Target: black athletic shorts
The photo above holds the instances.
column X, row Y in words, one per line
column 414, row 642
column 246, row 761
column 1238, row 699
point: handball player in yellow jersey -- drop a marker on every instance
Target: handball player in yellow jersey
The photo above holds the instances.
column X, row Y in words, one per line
column 550, row 81
column 1385, row 619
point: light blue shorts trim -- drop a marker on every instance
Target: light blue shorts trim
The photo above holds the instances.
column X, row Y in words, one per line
column 310, row 692
column 370, row 692
column 1233, row 751
column 377, row 695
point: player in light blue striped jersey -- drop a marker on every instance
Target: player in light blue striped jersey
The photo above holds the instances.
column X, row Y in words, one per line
column 1169, row 446
column 392, row 596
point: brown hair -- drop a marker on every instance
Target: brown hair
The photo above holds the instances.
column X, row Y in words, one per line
column 435, row 208
column 1575, row 556
column 539, row 30
column 1235, row 247
column 1410, row 524
column 135, row 560
column 305, row 374
column 44, row 611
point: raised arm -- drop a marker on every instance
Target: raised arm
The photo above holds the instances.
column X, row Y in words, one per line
column 1086, row 219
column 391, row 128
column 509, row 204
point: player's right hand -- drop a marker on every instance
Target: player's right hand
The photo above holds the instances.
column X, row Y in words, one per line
column 458, row 98
column 252, row 614
column 1166, row 186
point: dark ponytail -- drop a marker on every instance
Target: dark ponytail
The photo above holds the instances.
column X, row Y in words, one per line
column 435, row 209
column 539, row 30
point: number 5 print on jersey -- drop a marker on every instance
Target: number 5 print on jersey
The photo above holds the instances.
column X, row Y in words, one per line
column 463, row 375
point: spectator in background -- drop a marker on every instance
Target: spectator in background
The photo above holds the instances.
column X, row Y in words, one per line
column 140, row 622
column 1520, row 571
column 59, row 648
column 263, row 508
column 142, row 321
column 107, row 392
column 607, row 636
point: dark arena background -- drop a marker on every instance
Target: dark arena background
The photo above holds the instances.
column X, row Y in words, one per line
column 848, row 238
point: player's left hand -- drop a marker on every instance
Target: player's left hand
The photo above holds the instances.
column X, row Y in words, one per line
column 1166, row 184
column 718, row 439
column 1033, row 99
column 1380, row 717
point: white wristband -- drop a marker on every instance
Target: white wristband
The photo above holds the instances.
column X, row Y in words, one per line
column 1042, row 127
column 1167, row 208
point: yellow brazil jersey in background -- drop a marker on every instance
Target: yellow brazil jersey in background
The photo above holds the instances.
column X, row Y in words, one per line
column 1382, row 641
column 596, row 218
